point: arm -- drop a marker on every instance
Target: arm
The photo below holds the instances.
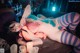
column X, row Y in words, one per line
column 31, row 36
column 35, row 40
column 21, row 41
column 26, row 13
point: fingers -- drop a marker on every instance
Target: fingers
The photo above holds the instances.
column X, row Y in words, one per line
column 22, row 49
column 13, row 48
column 28, row 6
column 27, row 11
column 29, row 47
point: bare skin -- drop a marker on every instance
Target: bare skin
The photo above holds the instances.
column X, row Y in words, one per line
column 41, row 29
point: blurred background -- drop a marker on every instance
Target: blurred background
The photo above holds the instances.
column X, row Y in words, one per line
column 50, row 7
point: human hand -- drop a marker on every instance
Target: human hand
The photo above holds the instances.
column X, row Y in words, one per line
column 27, row 11
column 22, row 49
column 28, row 35
column 29, row 46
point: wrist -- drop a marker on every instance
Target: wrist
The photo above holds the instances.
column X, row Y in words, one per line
column 29, row 44
column 27, row 16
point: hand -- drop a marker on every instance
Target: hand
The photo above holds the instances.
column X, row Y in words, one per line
column 22, row 49
column 27, row 11
column 28, row 35
column 29, row 47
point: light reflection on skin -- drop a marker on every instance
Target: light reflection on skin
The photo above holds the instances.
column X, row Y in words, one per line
column 33, row 27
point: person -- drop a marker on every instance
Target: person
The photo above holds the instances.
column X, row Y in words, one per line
column 26, row 33
column 70, row 20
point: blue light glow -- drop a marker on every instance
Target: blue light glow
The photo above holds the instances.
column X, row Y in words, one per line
column 53, row 8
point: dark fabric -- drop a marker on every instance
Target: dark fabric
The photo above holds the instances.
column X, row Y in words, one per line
column 50, row 46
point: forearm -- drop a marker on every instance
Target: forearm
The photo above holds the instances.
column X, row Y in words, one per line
column 37, row 42
column 27, row 12
column 23, row 21
column 21, row 42
column 32, row 44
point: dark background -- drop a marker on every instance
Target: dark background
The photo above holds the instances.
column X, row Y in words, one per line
column 42, row 6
